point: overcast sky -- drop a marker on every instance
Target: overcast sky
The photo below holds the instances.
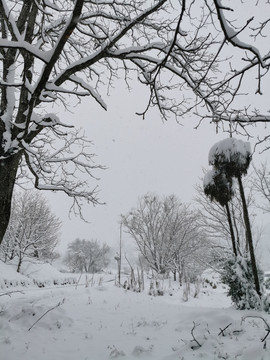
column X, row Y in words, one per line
column 141, row 156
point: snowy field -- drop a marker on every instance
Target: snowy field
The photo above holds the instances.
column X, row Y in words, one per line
column 96, row 320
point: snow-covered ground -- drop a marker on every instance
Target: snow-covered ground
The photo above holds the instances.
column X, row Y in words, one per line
column 96, row 320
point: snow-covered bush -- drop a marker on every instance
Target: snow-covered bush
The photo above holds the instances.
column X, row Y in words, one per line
column 210, row 277
column 237, row 274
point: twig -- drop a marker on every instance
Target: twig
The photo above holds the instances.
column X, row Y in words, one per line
column 259, row 317
column 222, row 330
column 12, row 292
column 268, row 332
column 196, row 341
column 60, row 303
column 78, row 281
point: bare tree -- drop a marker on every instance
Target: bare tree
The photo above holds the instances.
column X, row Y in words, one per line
column 148, row 225
column 87, row 256
column 261, row 184
column 51, row 50
column 166, row 232
column 33, row 230
column 187, row 243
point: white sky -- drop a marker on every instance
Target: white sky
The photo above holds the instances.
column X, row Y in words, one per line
column 141, row 155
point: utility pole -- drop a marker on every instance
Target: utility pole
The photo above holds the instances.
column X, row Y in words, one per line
column 118, row 256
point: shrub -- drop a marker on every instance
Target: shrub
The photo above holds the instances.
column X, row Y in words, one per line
column 237, row 274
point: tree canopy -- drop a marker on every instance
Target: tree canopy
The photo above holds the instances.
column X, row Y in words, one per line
column 193, row 56
column 87, row 256
column 33, row 230
column 167, row 233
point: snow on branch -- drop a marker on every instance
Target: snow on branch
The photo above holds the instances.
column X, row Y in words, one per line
column 50, row 49
column 90, row 90
column 24, row 45
column 48, row 4
column 11, row 23
column 51, row 89
column 231, row 35
column 65, row 169
column 49, row 120
column 57, row 49
column 107, row 45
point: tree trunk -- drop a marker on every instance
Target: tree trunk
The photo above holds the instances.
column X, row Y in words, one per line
column 8, row 171
column 237, row 240
column 19, row 263
column 249, row 237
column 180, row 275
column 231, row 228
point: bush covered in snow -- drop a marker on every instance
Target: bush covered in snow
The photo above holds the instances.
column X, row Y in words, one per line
column 211, row 278
column 237, row 274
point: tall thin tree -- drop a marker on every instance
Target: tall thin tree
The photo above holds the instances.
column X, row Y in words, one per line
column 233, row 156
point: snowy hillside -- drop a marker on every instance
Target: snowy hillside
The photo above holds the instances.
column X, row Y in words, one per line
column 97, row 321
column 33, row 274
